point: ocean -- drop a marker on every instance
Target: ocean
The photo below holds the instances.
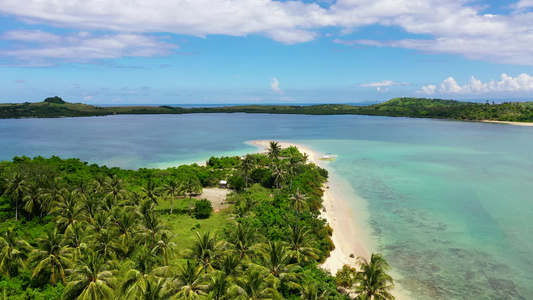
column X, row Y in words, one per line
column 449, row 202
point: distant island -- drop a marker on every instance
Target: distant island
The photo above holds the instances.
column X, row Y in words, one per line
column 55, row 107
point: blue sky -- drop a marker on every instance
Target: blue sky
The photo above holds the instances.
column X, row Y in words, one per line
column 264, row 51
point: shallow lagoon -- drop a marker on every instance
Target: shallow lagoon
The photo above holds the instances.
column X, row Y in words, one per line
column 449, row 202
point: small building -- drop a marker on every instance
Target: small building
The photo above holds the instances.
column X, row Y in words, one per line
column 223, row 184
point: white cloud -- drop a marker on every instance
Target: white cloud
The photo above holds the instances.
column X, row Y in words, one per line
column 456, row 27
column 381, row 86
column 274, row 86
column 87, row 98
column 449, row 27
column 428, row 90
column 520, row 83
column 383, row 83
column 36, row 47
column 286, row 22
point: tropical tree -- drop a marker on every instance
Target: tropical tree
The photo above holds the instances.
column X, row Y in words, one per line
column 278, row 172
column 67, row 209
column 114, row 188
column 52, row 255
column 274, row 150
column 165, row 248
column 191, row 186
column 91, row 278
column 16, row 187
column 300, row 247
column 13, row 253
column 152, row 227
column 299, row 204
column 256, row 284
column 189, row 282
column 173, row 189
column 152, row 190
column 247, row 164
column 32, row 199
column 219, row 285
column 242, row 240
column 205, row 249
column 372, row 281
column 292, row 166
column 276, row 258
column 310, row 292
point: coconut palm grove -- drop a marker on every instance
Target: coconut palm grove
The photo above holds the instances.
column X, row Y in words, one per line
column 73, row 230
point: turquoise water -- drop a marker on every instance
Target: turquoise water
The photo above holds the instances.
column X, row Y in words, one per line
column 450, row 202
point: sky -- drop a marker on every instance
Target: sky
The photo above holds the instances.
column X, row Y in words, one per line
column 264, row 51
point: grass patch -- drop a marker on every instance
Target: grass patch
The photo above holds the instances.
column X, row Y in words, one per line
column 183, row 226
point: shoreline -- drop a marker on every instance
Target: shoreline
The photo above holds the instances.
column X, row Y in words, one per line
column 508, row 122
column 349, row 236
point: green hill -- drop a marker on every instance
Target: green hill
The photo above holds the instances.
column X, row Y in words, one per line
column 55, row 107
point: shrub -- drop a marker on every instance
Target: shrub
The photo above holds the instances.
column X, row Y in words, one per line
column 203, row 209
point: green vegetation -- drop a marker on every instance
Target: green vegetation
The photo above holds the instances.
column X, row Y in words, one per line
column 399, row 107
column 71, row 230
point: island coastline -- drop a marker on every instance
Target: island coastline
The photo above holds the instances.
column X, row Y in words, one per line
column 349, row 237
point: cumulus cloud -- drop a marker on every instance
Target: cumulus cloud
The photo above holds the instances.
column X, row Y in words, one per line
column 427, row 90
column 36, row 47
column 287, row 22
column 274, row 86
column 439, row 26
column 520, row 83
column 448, row 27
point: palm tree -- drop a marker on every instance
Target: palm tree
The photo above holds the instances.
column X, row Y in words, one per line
column 152, row 190
column 136, row 282
column 151, row 227
column 54, row 255
column 310, row 292
column 188, row 283
column 165, row 248
column 75, row 236
column 83, row 185
column 219, row 286
column 256, row 284
column 191, row 186
column 299, row 204
column 51, row 195
column 242, row 239
column 299, row 246
column 67, row 209
column 172, row 188
column 205, row 249
column 32, row 199
column 278, row 172
column 276, row 257
column 372, row 280
column 247, row 164
column 16, row 188
column 13, row 253
column 274, row 151
column 114, row 188
column 91, row 279
column 292, row 165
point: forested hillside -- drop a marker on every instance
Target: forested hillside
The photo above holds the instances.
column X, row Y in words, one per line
column 55, row 107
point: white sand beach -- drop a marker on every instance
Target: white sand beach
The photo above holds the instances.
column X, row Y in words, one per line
column 509, row 123
column 348, row 235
